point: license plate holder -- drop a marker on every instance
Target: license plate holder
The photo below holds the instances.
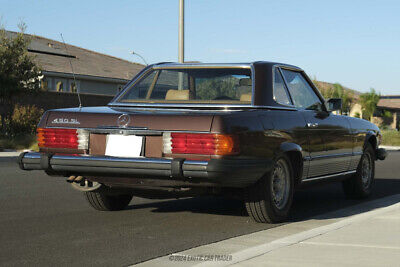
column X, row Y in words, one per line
column 124, row 146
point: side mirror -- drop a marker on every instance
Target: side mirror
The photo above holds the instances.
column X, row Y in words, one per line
column 334, row 104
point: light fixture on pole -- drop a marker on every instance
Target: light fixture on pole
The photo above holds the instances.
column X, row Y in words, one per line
column 134, row 53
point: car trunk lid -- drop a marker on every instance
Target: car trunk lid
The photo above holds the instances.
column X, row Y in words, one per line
column 101, row 121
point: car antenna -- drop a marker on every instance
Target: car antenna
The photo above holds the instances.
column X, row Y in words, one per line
column 73, row 73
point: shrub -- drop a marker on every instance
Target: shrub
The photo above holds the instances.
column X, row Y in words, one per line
column 19, row 142
column 24, row 120
column 391, row 138
column 387, row 114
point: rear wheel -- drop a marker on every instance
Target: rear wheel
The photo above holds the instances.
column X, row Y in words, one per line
column 106, row 199
column 360, row 185
column 270, row 199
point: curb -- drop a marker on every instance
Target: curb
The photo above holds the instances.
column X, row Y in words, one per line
column 391, row 148
column 252, row 252
column 240, row 249
column 9, row 154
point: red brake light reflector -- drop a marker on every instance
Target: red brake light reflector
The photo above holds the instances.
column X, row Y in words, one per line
column 199, row 143
column 62, row 138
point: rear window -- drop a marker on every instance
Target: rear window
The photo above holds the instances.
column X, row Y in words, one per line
column 219, row 85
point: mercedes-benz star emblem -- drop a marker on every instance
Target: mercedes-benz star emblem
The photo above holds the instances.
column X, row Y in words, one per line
column 123, row 120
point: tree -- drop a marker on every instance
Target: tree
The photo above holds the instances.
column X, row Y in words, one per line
column 337, row 91
column 19, row 74
column 368, row 102
column 345, row 95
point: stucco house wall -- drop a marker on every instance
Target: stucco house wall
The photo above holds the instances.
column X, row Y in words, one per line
column 356, row 109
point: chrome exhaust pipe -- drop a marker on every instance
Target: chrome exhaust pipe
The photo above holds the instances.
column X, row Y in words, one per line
column 76, row 179
column 82, row 184
column 71, row 179
column 79, row 180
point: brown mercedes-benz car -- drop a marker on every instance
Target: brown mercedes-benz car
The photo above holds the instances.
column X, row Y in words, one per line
column 256, row 130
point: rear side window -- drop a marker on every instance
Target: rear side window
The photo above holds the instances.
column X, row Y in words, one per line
column 280, row 93
column 302, row 94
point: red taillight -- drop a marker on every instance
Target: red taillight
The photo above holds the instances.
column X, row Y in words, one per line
column 62, row 138
column 202, row 144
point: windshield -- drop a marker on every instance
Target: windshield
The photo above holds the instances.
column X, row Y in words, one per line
column 199, row 85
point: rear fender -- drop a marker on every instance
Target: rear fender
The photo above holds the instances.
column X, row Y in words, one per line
column 371, row 137
column 295, row 153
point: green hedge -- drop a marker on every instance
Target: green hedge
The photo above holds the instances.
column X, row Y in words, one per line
column 390, row 138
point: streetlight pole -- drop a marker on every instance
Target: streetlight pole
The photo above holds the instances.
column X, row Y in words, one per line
column 181, row 55
column 134, row 53
column 181, row 41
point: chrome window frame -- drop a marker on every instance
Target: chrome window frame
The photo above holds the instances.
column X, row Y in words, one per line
column 150, row 68
column 308, row 81
column 278, row 68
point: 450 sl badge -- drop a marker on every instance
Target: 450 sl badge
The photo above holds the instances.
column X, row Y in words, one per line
column 65, row 121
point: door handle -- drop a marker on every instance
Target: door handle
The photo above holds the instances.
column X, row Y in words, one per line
column 312, row 124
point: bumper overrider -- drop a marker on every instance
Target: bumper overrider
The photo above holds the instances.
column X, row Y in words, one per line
column 218, row 172
column 381, row 153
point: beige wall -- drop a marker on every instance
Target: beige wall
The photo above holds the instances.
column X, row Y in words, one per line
column 392, row 123
column 395, row 123
column 356, row 108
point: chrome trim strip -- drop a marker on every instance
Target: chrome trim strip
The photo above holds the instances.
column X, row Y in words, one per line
column 195, row 106
column 112, row 159
column 202, row 66
column 32, row 155
column 180, row 105
column 328, row 176
column 129, row 131
column 125, row 132
column 253, row 87
column 125, row 128
column 195, row 162
column 284, row 85
column 131, row 83
column 332, row 156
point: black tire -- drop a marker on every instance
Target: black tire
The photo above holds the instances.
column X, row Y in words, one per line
column 260, row 201
column 104, row 199
column 356, row 187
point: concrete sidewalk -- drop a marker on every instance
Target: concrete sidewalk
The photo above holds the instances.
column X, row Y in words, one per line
column 370, row 241
column 367, row 234
column 391, row 148
column 9, row 154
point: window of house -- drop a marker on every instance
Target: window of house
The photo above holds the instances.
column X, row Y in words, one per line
column 59, row 86
column 302, row 94
column 44, row 85
column 73, row 87
column 280, row 93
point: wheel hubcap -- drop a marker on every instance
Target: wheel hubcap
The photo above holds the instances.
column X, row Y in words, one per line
column 366, row 170
column 280, row 184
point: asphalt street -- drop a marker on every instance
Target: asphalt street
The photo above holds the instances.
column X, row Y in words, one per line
column 43, row 221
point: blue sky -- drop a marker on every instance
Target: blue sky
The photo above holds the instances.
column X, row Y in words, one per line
column 356, row 43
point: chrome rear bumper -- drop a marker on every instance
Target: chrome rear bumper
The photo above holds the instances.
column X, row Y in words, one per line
column 223, row 172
